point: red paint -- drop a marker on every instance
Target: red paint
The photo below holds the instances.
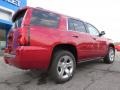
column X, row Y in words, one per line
column 32, row 46
column 117, row 47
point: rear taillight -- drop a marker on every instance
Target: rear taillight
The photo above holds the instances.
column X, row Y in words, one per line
column 10, row 36
column 10, row 41
column 24, row 38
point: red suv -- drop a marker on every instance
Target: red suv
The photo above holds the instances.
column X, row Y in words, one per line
column 41, row 39
column 117, row 47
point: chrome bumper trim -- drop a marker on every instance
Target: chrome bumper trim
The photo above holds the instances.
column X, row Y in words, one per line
column 7, row 55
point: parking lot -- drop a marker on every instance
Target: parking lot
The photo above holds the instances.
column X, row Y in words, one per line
column 94, row 75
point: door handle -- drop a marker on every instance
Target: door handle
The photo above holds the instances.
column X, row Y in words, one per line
column 93, row 38
column 75, row 36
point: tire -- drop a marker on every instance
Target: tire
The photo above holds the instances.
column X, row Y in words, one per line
column 63, row 66
column 110, row 57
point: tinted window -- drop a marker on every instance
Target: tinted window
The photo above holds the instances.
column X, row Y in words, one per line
column 44, row 18
column 71, row 24
column 92, row 30
column 18, row 18
column 17, row 23
column 76, row 25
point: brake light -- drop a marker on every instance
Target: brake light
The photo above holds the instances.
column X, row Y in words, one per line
column 10, row 36
column 24, row 38
column 9, row 41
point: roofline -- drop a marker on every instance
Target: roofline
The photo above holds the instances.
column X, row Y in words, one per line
column 23, row 8
column 39, row 8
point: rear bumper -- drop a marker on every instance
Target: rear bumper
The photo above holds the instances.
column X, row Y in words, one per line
column 29, row 57
column 7, row 55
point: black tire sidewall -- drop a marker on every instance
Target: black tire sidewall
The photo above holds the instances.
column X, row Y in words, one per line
column 54, row 74
column 107, row 58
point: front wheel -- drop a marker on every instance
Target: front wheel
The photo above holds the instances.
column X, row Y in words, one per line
column 110, row 57
column 63, row 66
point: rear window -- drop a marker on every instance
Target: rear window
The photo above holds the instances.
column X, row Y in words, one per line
column 44, row 18
column 18, row 18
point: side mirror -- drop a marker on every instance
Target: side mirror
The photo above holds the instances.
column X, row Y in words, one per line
column 102, row 33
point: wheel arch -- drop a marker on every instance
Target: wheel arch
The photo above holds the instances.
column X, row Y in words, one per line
column 111, row 45
column 68, row 47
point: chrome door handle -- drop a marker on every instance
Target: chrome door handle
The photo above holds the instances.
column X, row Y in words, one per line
column 93, row 38
column 75, row 36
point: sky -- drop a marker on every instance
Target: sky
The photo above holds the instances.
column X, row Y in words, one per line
column 103, row 14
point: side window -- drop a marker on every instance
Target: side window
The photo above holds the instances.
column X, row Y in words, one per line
column 92, row 30
column 71, row 24
column 44, row 18
column 76, row 25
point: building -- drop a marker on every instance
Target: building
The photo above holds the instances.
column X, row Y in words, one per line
column 7, row 9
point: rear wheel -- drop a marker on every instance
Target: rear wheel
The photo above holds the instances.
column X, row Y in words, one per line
column 63, row 66
column 110, row 57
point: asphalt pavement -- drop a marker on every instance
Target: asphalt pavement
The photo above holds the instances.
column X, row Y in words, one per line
column 93, row 75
